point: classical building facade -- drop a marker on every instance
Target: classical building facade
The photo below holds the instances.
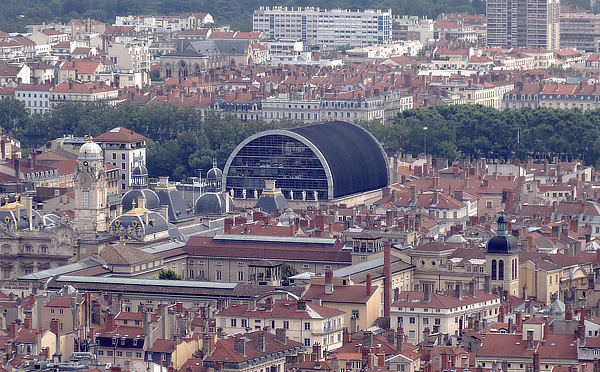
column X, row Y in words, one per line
column 29, row 242
column 195, row 57
column 419, row 313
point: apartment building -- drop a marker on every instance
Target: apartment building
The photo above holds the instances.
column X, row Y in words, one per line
column 419, row 312
column 131, row 57
column 413, row 28
column 523, row 23
column 84, row 92
column 277, row 108
column 125, row 149
column 256, row 351
column 328, row 28
column 304, row 322
column 35, row 97
column 579, row 29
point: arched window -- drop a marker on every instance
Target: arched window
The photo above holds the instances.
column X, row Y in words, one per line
column 500, row 269
column 514, row 271
column 494, row 270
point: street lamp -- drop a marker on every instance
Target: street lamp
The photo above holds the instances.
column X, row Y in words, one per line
column 425, row 140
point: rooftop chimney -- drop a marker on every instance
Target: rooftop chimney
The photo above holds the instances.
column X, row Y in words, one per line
column 317, row 352
column 12, row 331
column 387, row 282
column 368, row 339
column 400, row 340
column 280, row 335
column 239, row 346
column 368, row 286
column 261, row 342
column 472, row 288
column 458, row 293
column 529, row 339
column 110, row 321
column 328, row 282
column 536, row 361
column 55, row 328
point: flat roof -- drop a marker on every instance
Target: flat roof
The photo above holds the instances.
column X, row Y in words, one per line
column 274, row 239
column 146, row 282
column 86, row 263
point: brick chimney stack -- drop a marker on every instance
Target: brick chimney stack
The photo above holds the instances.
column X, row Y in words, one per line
column 328, row 282
column 387, row 281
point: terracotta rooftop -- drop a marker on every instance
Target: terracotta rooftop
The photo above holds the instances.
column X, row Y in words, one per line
column 224, row 350
column 440, row 301
column 281, row 309
column 343, row 294
column 120, row 134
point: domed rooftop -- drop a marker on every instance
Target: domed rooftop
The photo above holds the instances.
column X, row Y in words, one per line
column 502, row 243
column 155, row 223
column 90, row 151
column 152, row 200
column 214, row 174
column 139, row 170
column 213, row 203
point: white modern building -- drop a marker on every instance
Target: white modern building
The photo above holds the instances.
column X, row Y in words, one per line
column 328, row 28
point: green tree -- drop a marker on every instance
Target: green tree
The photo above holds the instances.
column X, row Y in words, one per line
column 287, row 270
column 168, row 275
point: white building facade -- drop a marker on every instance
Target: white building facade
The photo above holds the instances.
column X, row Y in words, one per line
column 327, row 28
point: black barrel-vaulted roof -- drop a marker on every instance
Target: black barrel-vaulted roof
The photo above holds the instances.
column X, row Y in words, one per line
column 357, row 161
column 353, row 160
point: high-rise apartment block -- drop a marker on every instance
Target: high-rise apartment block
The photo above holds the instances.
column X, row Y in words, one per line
column 523, row 23
column 327, row 28
column 579, row 29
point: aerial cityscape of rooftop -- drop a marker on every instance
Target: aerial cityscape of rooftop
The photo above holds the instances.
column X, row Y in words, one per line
column 191, row 186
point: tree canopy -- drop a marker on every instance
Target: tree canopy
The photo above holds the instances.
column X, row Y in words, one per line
column 168, row 275
column 181, row 141
column 477, row 131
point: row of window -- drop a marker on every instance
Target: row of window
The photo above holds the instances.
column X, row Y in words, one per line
column 128, row 354
column 413, row 320
column 27, row 248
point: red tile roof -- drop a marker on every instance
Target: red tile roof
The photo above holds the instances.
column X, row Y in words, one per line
column 282, row 309
column 120, row 134
column 59, row 302
column 224, row 348
column 50, row 32
column 162, row 345
column 83, row 88
column 32, row 87
column 513, row 346
column 207, row 246
column 82, row 67
column 27, row 336
column 440, row 301
column 345, row 294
